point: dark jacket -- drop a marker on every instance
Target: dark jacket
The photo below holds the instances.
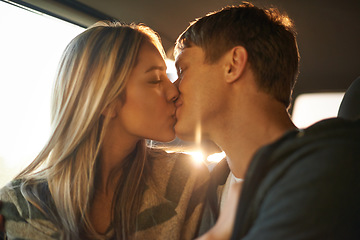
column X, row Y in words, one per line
column 306, row 185
column 218, row 176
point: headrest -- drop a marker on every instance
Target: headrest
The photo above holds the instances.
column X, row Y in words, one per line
column 350, row 105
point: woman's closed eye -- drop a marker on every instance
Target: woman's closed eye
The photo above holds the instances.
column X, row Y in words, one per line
column 156, row 81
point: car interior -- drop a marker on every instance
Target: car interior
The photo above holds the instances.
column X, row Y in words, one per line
column 328, row 35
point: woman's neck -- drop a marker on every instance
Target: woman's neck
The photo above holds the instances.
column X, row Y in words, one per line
column 109, row 171
column 111, row 159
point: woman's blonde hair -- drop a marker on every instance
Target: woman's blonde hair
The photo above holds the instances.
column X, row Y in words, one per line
column 92, row 74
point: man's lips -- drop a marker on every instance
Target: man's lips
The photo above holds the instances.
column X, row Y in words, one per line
column 178, row 103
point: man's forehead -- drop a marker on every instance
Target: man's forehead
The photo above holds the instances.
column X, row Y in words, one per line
column 186, row 54
column 181, row 54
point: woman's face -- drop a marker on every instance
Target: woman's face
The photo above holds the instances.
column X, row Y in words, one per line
column 149, row 109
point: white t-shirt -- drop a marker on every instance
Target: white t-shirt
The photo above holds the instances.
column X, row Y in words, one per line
column 229, row 181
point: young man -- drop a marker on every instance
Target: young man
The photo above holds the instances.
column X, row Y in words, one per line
column 237, row 68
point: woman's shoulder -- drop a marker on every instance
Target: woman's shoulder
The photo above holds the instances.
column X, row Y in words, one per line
column 13, row 196
column 15, row 190
column 22, row 217
column 11, row 192
column 13, row 202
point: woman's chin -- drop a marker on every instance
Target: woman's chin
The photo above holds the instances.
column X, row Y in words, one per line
column 165, row 138
column 170, row 138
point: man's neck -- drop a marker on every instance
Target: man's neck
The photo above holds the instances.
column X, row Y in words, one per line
column 247, row 130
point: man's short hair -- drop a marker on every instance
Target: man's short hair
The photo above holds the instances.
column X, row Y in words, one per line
column 267, row 35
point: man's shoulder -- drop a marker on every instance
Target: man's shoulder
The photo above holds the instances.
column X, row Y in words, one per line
column 326, row 149
column 327, row 153
column 311, row 174
column 333, row 127
column 334, row 134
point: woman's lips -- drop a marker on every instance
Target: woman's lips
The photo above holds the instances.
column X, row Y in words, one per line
column 178, row 105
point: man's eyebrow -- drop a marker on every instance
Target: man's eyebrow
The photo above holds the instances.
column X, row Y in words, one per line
column 152, row 68
column 178, row 62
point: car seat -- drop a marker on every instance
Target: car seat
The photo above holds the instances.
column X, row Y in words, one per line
column 350, row 105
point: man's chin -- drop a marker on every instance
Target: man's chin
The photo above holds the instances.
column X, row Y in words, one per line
column 185, row 134
column 168, row 138
column 186, row 138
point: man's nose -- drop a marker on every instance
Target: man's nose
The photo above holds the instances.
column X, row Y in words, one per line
column 177, row 83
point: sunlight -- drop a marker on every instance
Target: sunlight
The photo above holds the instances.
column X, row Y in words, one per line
column 313, row 107
column 216, row 157
column 197, row 156
column 198, row 134
column 171, row 70
column 28, row 60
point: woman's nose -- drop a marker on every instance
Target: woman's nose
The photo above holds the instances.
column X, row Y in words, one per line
column 172, row 92
column 177, row 82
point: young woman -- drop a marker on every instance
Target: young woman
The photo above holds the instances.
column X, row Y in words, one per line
column 96, row 178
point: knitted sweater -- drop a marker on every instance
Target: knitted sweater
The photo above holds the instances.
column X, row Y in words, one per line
column 170, row 210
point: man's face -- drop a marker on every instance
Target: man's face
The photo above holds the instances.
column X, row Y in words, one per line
column 200, row 101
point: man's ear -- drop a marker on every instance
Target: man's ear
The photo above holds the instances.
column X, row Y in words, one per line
column 237, row 60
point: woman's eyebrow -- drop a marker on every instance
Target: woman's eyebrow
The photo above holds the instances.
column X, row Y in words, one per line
column 152, row 68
